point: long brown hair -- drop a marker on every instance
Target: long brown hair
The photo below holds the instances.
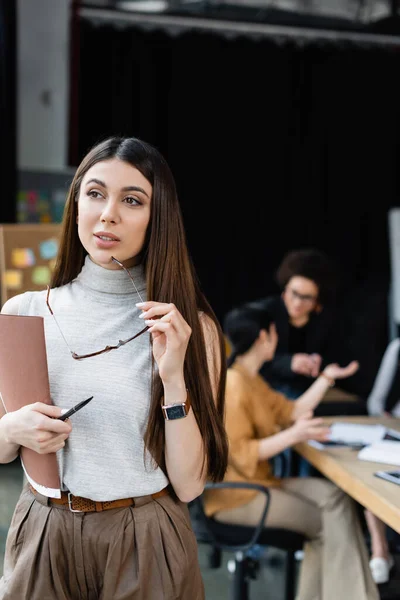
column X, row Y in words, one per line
column 170, row 277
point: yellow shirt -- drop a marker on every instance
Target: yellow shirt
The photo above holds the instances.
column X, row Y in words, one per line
column 253, row 411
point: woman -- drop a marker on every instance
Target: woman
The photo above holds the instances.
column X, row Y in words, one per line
column 335, row 563
column 153, row 433
column 304, row 319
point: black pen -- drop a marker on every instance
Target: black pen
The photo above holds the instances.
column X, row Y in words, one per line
column 74, row 409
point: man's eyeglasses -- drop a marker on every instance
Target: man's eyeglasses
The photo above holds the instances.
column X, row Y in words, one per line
column 302, row 297
column 107, row 348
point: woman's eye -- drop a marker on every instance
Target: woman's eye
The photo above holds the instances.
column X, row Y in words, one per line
column 94, row 194
column 131, row 200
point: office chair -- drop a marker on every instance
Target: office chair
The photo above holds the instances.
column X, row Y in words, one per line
column 376, row 401
column 240, row 539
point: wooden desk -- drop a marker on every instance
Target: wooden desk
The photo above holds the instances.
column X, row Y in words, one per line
column 336, row 394
column 356, row 477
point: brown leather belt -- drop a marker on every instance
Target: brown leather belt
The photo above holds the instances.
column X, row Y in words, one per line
column 79, row 504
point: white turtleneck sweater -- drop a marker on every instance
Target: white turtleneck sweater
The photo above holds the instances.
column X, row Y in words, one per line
column 104, row 457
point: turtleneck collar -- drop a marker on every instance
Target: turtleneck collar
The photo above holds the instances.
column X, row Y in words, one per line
column 111, row 281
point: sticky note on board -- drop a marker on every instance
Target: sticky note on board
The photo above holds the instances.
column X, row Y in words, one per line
column 21, row 258
column 41, row 275
column 12, row 279
column 48, row 249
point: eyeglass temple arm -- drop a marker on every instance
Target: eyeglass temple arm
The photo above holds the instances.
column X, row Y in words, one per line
column 129, row 275
column 108, row 348
column 123, row 342
column 47, row 300
column 55, row 320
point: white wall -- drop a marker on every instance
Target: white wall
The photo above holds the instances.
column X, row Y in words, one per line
column 43, row 59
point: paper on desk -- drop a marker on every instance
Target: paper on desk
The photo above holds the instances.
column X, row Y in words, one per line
column 385, row 451
column 316, row 444
column 354, row 433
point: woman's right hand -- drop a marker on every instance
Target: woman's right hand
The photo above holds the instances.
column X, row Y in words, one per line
column 309, row 428
column 336, row 372
column 36, row 426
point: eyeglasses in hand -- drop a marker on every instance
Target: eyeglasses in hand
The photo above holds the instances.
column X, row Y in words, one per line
column 107, row 348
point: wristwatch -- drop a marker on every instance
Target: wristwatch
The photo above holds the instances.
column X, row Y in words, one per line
column 176, row 411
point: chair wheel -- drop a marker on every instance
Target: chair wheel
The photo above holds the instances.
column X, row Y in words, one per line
column 299, row 555
column 231, row 566
column 252, row 568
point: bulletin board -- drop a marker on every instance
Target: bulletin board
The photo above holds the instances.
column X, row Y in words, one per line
column 27, row 257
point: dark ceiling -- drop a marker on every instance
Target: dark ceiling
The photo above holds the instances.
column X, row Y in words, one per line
column 378, row 16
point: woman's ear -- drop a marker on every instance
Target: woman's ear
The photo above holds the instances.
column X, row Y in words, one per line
column 318, row 308
column 268, row 341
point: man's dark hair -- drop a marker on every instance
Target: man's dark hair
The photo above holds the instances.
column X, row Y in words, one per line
column 312, row 264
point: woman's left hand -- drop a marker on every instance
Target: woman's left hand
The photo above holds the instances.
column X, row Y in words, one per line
column 170, row 333
column 336, row 372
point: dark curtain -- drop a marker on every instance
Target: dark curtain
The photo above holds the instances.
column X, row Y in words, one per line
column 8, row 130
column 273, row 146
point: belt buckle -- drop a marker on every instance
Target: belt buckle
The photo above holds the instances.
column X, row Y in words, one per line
column 70, row 504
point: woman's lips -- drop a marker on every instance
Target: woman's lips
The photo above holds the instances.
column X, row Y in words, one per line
column 104, row 241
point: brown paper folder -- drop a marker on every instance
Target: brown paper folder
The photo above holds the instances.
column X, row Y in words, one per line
column 24, row 379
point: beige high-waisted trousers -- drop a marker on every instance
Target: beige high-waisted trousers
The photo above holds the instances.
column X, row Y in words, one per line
column 145, row 552
column 335, row 564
